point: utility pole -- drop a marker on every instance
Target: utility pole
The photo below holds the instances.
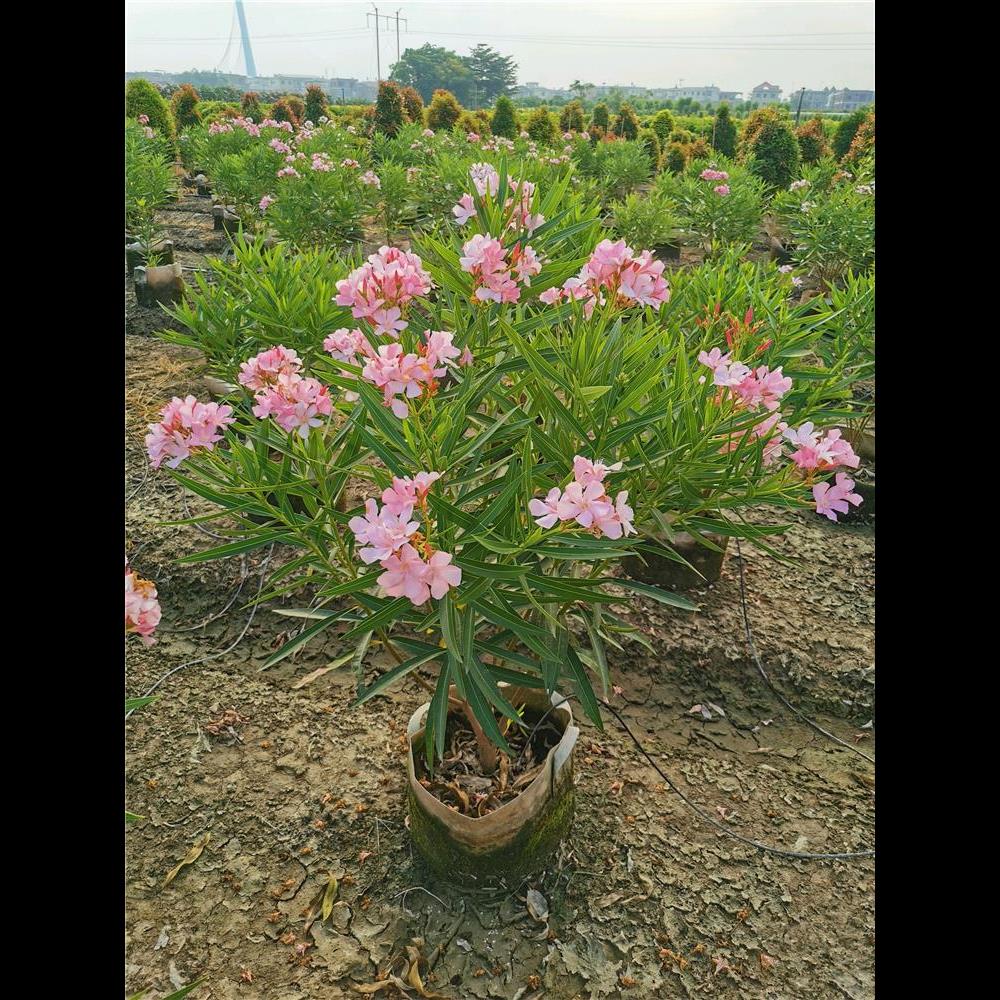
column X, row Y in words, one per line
column 799, row 111
column 387, row 19
column 397, row 32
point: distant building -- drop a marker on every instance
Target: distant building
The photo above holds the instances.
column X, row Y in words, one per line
column 850, row 100
column 766, row 93
column 731, row 96
column 703, row 95
column 812, row 100
column 344, row 88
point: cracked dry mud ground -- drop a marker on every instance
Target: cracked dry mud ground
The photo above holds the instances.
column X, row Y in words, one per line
column 311, row 785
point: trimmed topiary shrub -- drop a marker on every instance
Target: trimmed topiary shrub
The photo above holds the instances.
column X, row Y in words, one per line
column 504, row 121
column 540, row 125
column 600, row 117
column 863, row 143
column 812, row 141
column 846, row 131
column 571, row 117
column 626, row 123
column 142, row 98
column 651, row 143
column 724, row 132
column 675, row 159
column 298, row 108
column 413, row 105
column 663, row 125
column 698, row 150
column 315, row 103
column 281, row 111
column 769, row 145
column 444, row 111
column 390, row 116
column 184, row 106
column 250, row 105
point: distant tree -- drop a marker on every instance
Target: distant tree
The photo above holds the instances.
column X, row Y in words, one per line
column 626, row 123
column 571, row 117
column 390, row 115
column 724, row 132
column 580, row 89
column 614, row 99
column 413, row 104
column 504, row 120
column 663, row 125
column 812, row 140
column 492, row 74
column 444, row 111
column 540, row 125
column 432, row 68
column 316, row 102
column 651, row 143
column 142, row 98
column 600, row 116
column 846, row 132
column 675, row 159
column 250, row 105
column 184, row 105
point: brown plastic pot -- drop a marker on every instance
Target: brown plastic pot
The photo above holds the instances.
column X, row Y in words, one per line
column 225, row 219
column 515, row 839
column 662, row 571
column 136, row 253
column 158, row 285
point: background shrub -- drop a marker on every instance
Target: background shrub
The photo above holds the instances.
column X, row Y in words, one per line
column 390, row 114
column 651, row 144
column 250, row 105
column 812, row 141
column 281, row 111
column 315, row 103
column 626, row 123
column 540, row 125
column 184, row 106
column 675, row 159
column 863, row 142
column 769, row 142
column 846, row 131
column 724, row 132
column 663, row 125
column 444, row 111
column 142, row 98
column 413, row 105
column 504, row 121
column 600, row 117
column 571, row 117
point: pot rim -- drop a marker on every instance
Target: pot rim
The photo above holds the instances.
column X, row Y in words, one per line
column 505, row 815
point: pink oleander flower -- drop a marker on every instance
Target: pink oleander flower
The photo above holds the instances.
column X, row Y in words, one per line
column 786, row 268
column 381, row 532
column 472, row 137
column 350, row 164
column 370, row 178
column 713, row 359
column 428, row 133
column 523, row 135
column 551, row 295
column 834, row 499
column 288, row 172
column 524, row 263
column 280, row 147
column 265, row 203
column 586, row 472
column 464, row 210
column 142, row 609
column 440, row 575
column 351, row 130
column 814, row 452
column 722, row 190
column 798, row 185
column 405, row 576
column 148, row 132
column 714, row 175
column 730, row 375
column 321, row 162
column 186, row 426
column 485, row 177
column 465, row 359
column 762, row 388
column 405, row 493
column 346, row 345
column 865, row 189
column 143, row 119
column 546, row 512
column 584, row 504
column 412, row 173
column 439, row 347
column 294, row 403
column 625, row 513
column 380, row 290
column 264, row 369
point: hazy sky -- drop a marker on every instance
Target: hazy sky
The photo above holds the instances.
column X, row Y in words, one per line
column 734, row 45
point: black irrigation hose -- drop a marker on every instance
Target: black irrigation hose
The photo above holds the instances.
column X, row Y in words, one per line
column 767, row 680
column 222, row 652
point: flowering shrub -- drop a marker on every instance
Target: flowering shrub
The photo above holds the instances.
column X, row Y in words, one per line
column 148, row 183
column 186, row 427
column 649, row 220
column 142, row 609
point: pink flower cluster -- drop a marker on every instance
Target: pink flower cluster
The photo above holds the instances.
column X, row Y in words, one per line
column 295, row 403
column 143, row 119
column 321, row 162
column 615, row 269
column 487, row 181
column 370, row 178
column 750, row 389
column 401, row 376
column 412, row 567
column 496, row 276
column 834, row 498
column 820, row 453
column 722, row 190
column 380, row 290
column 186, row 426
column 280, row 147
column 798, row 185
column 585, row 501
column 142, row 609
column 350, row 164
column 714, row 175
column 288, row 172
column 271, row 123
column 266, row 203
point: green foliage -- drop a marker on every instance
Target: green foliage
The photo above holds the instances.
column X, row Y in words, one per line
column 316, row 102
column 651, row 144
column 504, row 121
column 431, row 68
column 769, row 142
column 541, row 126
column 813, row 145
column 149, row 182
column 626, row 123
column 413, row 104
column 600, row 117
column 645, row 221
column 250, row 106
column 492, row 74
column 142, row 98
column 395, row 204
column 663, row 125
column 242, row 179
column 724, row 132
column 184, row 106
column 571, row 117
column 846, row 131
column 282, row 111
column 444, row 111
column 675, row 158
column 389, row 111
column 863, row 143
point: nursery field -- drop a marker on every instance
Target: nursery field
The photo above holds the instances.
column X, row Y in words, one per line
column 418, row 414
